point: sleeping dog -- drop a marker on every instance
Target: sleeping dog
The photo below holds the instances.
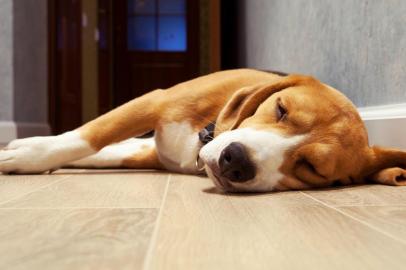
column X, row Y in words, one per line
column 265, row 133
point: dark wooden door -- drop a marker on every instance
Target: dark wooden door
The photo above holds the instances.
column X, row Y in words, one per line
column 65, row 102
column 105, row 55
column 156, row 45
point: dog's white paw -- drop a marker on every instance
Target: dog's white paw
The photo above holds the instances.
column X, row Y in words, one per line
column 31, row 155
column 40, row 154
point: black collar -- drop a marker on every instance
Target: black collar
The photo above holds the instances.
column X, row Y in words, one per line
column 207, row 134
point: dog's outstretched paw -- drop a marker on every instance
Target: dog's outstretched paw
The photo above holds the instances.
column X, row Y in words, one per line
column 31, row 155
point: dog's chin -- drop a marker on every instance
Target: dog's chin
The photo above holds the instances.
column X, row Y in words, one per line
column 220, row 183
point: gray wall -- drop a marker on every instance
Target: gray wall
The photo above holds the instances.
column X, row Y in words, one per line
column 6, row 60
column 357, row 46
column 23, row 69
column 30, row 60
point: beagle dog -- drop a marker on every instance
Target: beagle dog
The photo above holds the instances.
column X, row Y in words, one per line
column 264, row 132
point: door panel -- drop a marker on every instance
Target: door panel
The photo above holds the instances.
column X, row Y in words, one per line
column 156, row 45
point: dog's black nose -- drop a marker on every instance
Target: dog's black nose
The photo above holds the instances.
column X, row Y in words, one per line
column 235, row 164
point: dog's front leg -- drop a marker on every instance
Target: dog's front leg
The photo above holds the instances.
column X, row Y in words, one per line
column 39, row 154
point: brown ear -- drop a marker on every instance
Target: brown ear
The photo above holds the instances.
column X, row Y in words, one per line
column 245, row 101
column 387, row 167
column 314, row 164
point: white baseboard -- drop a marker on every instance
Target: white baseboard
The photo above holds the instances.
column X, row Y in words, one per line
column 10, row 130
column 386, row 125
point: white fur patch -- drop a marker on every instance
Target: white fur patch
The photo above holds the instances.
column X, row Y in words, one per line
column 178, row 146
column 112, row 156
column 267, row 150
column 39, row 154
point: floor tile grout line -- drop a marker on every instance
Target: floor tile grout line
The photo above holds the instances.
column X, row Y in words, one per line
column 356, row 219
column 153, row 240
column 35, row 190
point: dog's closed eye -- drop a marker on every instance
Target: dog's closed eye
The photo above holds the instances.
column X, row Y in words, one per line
column 281, row 111
column 310, row 166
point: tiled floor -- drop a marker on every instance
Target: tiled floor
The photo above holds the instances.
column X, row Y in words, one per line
column 77, row 219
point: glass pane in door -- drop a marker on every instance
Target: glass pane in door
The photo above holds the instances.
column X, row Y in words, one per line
column 172, row 33
column 141, row 33
column 141, row 7
column 157, row 25
column 172, row 7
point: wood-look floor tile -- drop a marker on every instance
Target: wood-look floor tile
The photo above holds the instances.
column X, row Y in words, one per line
column 204, row 230
column 99, row 189
column 389, row 219
column 75, row 238
column 361, row 195
column 15, row 186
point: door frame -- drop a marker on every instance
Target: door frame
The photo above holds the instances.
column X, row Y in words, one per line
column 52, row 28
column 105, row 56
column 54, row 97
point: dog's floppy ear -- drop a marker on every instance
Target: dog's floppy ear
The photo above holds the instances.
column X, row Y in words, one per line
column 245, row 101
column 315, row 164
column 387, row 166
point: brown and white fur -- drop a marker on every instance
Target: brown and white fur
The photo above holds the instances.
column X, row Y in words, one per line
column 296, row 131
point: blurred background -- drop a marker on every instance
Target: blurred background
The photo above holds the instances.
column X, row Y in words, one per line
column 64, row 62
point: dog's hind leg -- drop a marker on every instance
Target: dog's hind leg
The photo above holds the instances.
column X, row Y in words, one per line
column 39, row 154
column 133, row 153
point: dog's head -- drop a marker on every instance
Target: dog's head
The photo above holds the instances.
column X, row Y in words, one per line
column 295, row 133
